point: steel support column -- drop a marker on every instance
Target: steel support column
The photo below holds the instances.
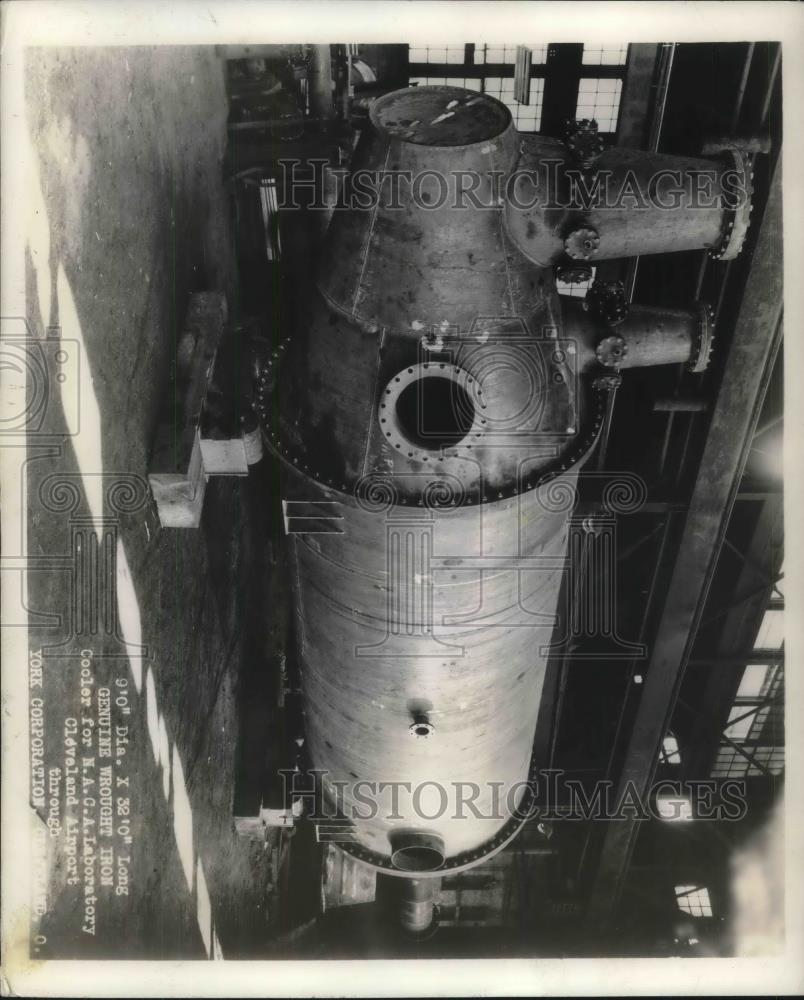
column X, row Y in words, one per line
column 735, row 414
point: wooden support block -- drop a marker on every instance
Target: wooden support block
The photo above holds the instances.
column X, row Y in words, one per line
column 177, row 475
column 250, row 827
column 224, row 456
column 179, row 495
column 256, row 827
column 281, row 817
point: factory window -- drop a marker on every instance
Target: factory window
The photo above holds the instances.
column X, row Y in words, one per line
column 740, row 722
column 577, row 289
column 753, row 738
column 469, row 66
column 670, row 753
column 753, row 681
column 599, row 99
column 760, row 681
column 436, row 53
column 694, row 899
column 527, row 117
column 771, row 630
column 754, row 735
column 490, row 68
column 485, row 54
column 610, row 55
column 753, row 762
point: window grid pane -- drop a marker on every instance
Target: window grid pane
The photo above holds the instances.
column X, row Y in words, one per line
column 599, row 99
column 739, row 730
column 610, row 55
column 694, row 899
column 670, row 753
column 436, row 53
column 730, row 763
column 771, row 631
column 754, row 679
column 507, row 54
column 576, row 289
column 527, row 117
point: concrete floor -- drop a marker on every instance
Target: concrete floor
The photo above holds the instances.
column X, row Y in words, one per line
column 129, row 216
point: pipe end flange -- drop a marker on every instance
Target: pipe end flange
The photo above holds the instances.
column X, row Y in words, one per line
column 702, row 348
column 582, row 243
column 737, row 217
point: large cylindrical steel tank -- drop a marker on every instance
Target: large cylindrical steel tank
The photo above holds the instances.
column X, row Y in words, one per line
column 431, row 418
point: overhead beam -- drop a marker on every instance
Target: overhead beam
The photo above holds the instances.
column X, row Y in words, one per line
column 735, row 414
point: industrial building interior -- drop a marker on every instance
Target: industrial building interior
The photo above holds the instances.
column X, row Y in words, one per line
column 693, row 686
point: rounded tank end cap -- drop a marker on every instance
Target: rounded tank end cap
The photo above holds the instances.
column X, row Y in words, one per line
column 440, row 116
column 417, row 851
